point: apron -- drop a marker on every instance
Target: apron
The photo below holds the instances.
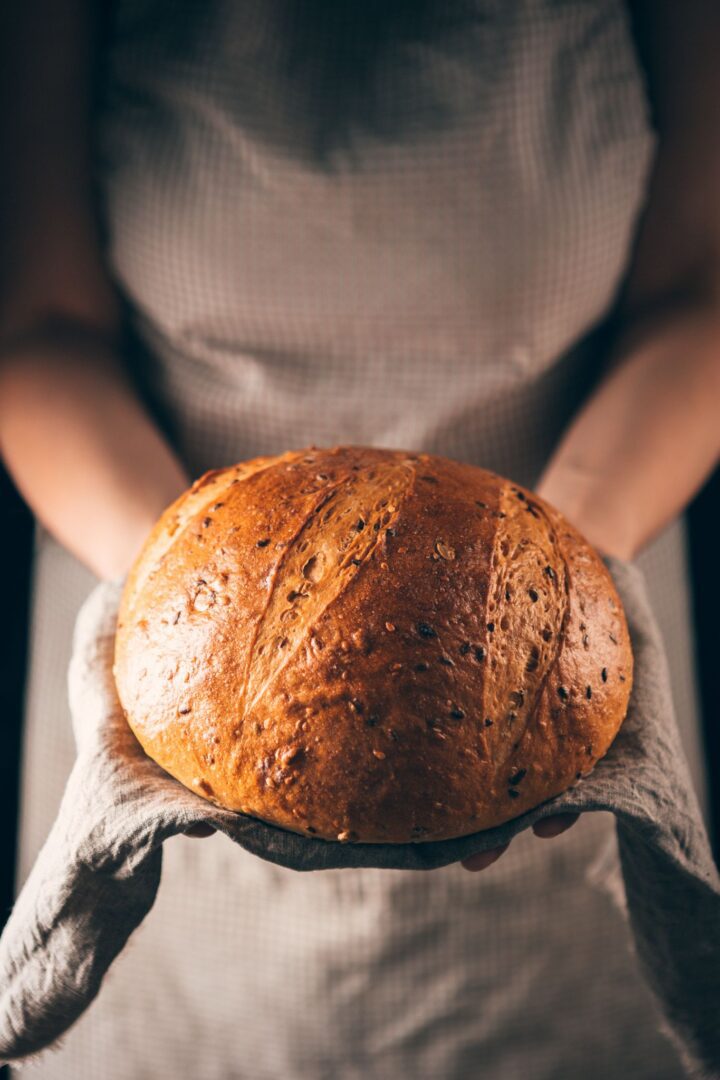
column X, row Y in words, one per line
column 419, row 259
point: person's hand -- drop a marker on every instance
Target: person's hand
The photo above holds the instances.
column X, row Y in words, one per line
column 97, row 715
column 545, row 829
column 200, row 831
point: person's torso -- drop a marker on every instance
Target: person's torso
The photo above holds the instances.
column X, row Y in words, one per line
column 409, row 260
column 396, row 251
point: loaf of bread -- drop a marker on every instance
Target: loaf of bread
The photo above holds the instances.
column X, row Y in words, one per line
column 361, row 644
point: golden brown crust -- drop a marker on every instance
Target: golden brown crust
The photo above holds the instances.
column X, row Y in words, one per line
column 371, row 645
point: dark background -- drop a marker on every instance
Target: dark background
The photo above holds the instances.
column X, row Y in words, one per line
column 16, row 535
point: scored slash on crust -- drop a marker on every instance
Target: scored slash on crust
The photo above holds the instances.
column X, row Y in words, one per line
column 383, row 488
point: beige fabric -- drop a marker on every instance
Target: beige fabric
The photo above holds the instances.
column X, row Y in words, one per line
column 429, row 290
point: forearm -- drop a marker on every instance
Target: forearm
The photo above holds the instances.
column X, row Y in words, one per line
column 646, row 439
column 82, row 450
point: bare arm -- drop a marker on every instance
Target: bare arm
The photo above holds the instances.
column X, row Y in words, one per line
column 79, row 444
column 649, row 435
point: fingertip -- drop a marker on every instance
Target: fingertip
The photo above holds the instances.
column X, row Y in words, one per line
column 554, row 826
column 199, row 831
column 483, row 859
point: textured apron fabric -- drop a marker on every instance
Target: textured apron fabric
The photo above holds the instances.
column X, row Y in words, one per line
column 430, row 287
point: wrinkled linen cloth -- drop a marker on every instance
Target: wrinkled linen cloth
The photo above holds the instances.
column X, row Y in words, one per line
column 98, row 874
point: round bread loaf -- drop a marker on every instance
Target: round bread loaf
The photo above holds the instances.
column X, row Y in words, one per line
column 362, row 644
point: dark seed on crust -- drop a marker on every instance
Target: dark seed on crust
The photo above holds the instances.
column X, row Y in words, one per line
column 425, row 630
column 603, row 674
column 563, row 693
column 517, row 777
